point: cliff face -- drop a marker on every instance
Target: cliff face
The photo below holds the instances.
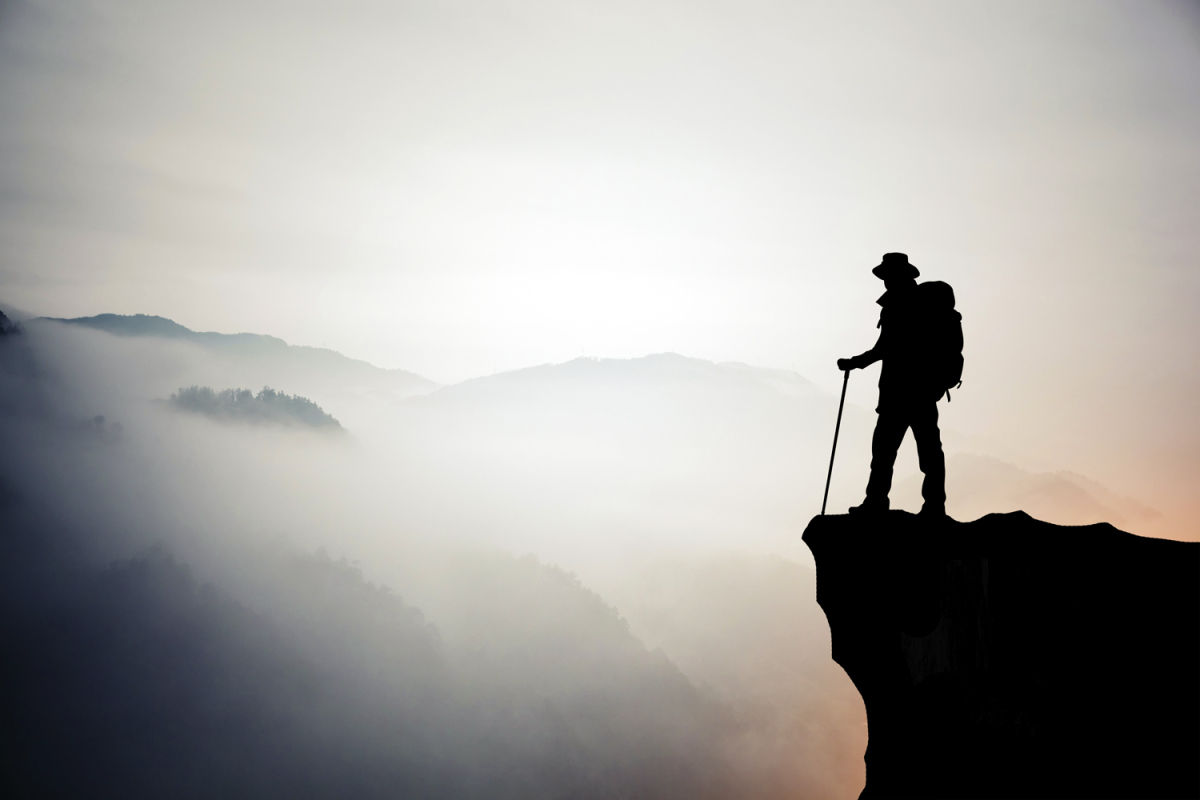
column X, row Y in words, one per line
column 1009, row 657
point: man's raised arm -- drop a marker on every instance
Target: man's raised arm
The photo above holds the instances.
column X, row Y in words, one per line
column 864, row 360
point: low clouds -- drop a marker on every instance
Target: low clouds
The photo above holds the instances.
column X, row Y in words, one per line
column 173, row 625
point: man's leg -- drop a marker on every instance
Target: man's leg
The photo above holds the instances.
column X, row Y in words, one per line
column 930, row 455
column 889, row 432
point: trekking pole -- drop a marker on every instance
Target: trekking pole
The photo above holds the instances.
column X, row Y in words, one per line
column 838, row 427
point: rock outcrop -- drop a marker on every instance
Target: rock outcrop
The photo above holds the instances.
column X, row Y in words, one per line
column 1009, row 657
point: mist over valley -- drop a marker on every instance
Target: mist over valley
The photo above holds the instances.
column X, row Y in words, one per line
column 580, row 579
column 176, row 627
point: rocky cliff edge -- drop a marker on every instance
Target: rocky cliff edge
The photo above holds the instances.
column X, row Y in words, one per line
column 1009, row 657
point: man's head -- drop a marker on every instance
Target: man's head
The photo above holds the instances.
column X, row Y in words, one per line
column 895, row 271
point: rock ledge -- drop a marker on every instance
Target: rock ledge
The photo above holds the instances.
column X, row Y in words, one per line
column 1009, row 657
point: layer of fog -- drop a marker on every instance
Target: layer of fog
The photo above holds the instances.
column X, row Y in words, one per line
column 492, row 671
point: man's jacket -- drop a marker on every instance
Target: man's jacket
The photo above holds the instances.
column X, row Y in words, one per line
column 906, row 348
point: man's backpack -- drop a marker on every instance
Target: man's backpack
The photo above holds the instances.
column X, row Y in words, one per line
column 944, row 336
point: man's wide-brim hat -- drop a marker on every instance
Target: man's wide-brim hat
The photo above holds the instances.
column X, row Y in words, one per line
column 895, row 265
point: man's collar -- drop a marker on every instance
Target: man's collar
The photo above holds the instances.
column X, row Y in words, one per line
column 892, row 295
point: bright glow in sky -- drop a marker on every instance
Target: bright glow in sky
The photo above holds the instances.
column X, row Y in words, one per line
column 457, row 188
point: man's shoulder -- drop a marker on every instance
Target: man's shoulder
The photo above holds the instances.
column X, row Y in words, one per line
column 894, row 306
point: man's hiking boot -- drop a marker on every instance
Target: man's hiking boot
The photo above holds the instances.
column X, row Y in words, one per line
column 870, row 508
column 933, row 512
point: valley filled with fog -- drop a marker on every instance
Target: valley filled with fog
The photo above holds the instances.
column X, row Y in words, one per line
column 582, row 579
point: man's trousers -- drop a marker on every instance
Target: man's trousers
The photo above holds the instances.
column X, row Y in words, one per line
column 889, row 432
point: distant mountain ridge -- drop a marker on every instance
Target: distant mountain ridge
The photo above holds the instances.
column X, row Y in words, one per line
column 163, row 328
column 656, row 368
column 753, row 426
column 977, row 485
column 293, row 366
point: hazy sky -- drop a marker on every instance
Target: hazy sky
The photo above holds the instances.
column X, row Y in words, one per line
column 457, row 188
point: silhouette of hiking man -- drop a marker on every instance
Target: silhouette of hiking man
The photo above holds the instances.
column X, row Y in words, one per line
column 920, row 345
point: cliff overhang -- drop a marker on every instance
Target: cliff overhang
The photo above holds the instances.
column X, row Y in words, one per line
column 1008, row 657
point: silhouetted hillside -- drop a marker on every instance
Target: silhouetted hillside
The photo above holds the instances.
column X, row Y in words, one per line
column 134, row 681
column 268, row 407
column 137, row 681
column 743, row 626
column 1009, row 657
